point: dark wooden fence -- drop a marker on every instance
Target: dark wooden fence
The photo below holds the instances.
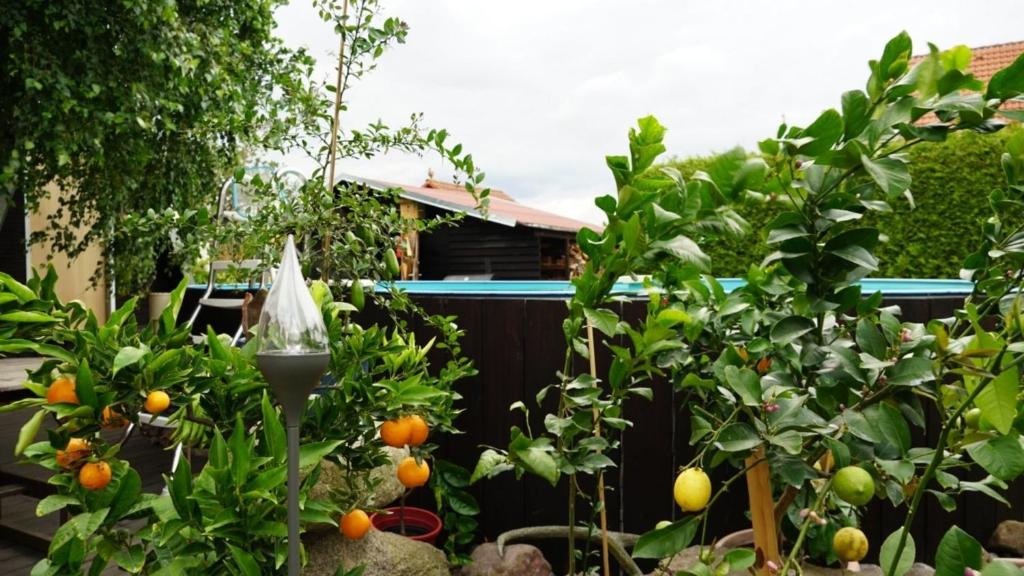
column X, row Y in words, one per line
column 517, row 346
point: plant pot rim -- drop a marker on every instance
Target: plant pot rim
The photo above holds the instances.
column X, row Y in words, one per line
column 421, row 517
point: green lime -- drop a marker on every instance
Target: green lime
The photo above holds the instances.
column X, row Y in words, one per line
column 854, row 485
column 972, row 418
column 662, row 524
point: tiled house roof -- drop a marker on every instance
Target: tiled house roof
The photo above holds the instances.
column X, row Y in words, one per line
column 503, row 209
column 986, row 61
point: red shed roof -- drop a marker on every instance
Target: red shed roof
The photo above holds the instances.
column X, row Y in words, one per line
column 503, row 209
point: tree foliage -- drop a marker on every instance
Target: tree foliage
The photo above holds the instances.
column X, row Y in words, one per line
column 132, row 106
column 951, row 183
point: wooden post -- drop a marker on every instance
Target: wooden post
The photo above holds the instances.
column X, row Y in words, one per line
column 762, row 512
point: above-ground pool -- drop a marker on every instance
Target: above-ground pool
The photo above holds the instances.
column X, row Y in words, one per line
column 561, row 288
column 558, row 288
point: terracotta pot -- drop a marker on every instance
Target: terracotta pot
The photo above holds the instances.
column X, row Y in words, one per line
column 421, row 525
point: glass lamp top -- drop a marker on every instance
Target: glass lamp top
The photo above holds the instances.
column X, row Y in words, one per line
column 290, row 322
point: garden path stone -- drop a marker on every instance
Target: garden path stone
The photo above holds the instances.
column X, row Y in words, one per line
column 382, row 554
column 1008, row 537
column 518, row 560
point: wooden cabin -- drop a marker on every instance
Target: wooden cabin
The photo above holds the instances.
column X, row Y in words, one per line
column 513, row 241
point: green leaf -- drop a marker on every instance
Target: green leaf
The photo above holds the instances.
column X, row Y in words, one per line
column 685, row 250
column 28, row 432
column 1008, row 82
column 462, row 502
column 489, row 464
column 667, row 541
column 311, row 454
column 22, row 292
column 739, row 559
column 957, row 551
column 891, row 175
column 646, row 145
column 737, row 437
column 870, row 339
column 27, row 317
column 131, row 559
column 857, row 255
column 887, row 554
column 746, row 383
column 604, row 320
column 126, row 357
column 855, row 113
column 180, row 489
column 895, row 57
column 790, row 328
column 273, row 431
column 998, row 400
column 998, row 567
column 824, row 132
column 911, row 372
column 891, row 425
column 55, row 502
column 1002, row 456
column 244, row 561
column 539, row 462
column 84, row 386
column 129, row 489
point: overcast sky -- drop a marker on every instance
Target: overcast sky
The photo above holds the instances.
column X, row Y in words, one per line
column 541, row 90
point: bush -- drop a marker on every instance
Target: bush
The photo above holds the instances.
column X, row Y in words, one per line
column 951, row 185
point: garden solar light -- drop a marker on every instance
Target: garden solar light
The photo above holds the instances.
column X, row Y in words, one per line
column 292, row 355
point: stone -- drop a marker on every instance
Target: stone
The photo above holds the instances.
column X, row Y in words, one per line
column 1008, row 538
column 387, row 490
column 380, row 553
column 518, row 560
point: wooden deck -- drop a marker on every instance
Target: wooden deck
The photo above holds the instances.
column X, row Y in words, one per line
column 16, row 560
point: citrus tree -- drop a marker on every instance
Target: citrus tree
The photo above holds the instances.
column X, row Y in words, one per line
column 799, row 374
column 800, row 370
column 655, row 222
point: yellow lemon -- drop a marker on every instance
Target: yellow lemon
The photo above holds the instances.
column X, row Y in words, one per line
column 854, row 485
column 850, row 544
column 692, row 489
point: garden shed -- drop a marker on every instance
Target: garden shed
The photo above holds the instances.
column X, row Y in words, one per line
column 512, row 241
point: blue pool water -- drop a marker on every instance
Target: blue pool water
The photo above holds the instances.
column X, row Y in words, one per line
column 557, row 288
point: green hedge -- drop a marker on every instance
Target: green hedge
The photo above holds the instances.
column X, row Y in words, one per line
column 951, row 184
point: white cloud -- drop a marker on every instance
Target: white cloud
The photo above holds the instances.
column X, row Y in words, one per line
column 540, row 90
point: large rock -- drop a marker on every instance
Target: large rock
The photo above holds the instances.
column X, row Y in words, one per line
column 518, row 560
column 1008, row 538
column 381, row 553
column 388, row 488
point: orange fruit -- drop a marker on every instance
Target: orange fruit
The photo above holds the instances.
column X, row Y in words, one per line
column 94, row 475
column 62, row 391
column 418, row 429
column 112, row 419
column 355, row 524
column 76, row 449
column 412, row 474
column 157, row 401
column 395, row 433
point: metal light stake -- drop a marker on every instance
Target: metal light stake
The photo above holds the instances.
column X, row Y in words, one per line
column 292, row 355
